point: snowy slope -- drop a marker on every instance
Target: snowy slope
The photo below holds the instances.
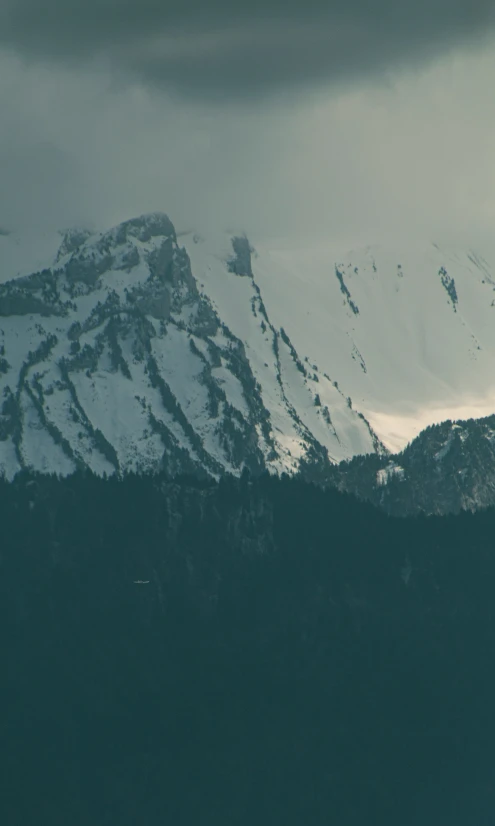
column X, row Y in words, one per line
column 117, row 353
column 408, row 334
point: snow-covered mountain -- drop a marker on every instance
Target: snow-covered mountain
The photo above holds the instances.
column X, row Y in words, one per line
column 125, row 353
column 408, row 331
column 141, row 348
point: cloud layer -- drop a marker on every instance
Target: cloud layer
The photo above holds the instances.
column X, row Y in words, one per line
column 411, row 158
column 229, row 50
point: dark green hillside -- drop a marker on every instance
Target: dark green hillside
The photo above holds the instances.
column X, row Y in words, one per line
column 290, row 656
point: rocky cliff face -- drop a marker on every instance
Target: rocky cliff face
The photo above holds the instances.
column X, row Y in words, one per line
column 113, row 357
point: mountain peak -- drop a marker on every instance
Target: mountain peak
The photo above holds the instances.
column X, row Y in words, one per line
column 145, row 227
column 120, row 354
column 139, row 348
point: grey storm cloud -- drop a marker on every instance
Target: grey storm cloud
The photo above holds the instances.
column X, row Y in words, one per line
column 227, row 49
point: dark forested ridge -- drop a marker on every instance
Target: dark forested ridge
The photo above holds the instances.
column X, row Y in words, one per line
column 447, row 468
column 244, row 653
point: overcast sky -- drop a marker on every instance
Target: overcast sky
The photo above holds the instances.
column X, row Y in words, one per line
column 343, row 119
